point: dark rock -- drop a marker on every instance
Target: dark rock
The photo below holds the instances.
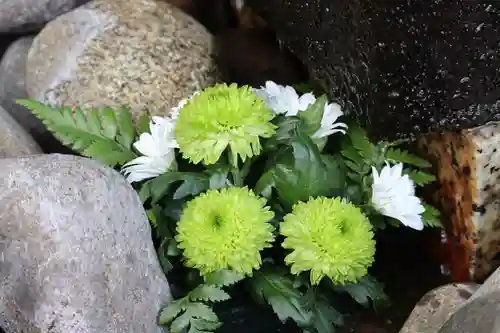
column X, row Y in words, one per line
column 400, row 67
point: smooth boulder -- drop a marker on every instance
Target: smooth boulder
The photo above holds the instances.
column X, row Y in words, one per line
column 144, row 54
column 76, row 250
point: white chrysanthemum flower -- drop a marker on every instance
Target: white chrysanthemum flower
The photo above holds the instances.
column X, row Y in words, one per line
column 329, row 125
column 158, row 148
column 284, row 99
column 393, row 195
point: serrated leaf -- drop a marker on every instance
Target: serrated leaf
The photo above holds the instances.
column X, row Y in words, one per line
column 181, row 323
column 169, row 313
column 223, row 278
column 126, row 131
column 204, row 325
column 109, row 152
column 420, row 178
column 367, row 290
column 84, row 133
column 277, row 289
column 326, row 317
column 208, row 293
column 352, row 154
column 431, row 217
column 201, row 311
column 360, row 141
column 397, row 155
column 109, row 123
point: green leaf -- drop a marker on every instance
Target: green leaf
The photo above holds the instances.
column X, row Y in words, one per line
column 142, row 125
column 219, row 178
column 208, row 293
column 326, row 317
column 223, row 278
column 181, row 323
column 420, row 178
column 165, row 263
column 201, row 325
column 93, row 134
column 193, row 184
column 202, row 311
column 277, row 289
column 157, row 188
column 265, row 184
column 126, row 131
column 312, row 116
column 169, row 313
column 431, row 217
column 366, row 290
column 360, row 141
column 352, row 154
column 397, row 155
column 305, row 173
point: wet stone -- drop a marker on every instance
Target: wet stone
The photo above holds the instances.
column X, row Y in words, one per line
column 401, row 68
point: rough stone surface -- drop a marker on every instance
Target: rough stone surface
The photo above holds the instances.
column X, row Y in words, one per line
column 467, row 165
column 492, row 284
column 481, row 315
column 402, row 68
column 14, row 140
column 12, row 87
column 146, row 54
column 28, row 15
column 76, row 250
column 436, row 307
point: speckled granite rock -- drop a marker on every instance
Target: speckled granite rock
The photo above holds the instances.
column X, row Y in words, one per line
column 481, row 315
column 76, row 250
column 28, row 15
column 143, row 53
column 14, row 140
column 401, row 68
column 467, row 165
column 436, row 307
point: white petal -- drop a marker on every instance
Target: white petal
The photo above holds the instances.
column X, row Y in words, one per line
column 145, row 167
column 305, row 101
column 145, row 145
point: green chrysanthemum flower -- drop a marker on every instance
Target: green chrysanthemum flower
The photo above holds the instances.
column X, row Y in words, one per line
column 225, row 229
column 222, row 116
column 328, row 237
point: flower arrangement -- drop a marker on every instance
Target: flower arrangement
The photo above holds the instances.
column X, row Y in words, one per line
column 262, row 188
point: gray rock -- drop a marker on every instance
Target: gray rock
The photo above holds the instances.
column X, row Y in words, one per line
column 14, row 140
column 492, row 284
column 481, row 315
column 145, row 54
column 437, row 306
column 28, row 15
column 12, row 87
column 75, row 249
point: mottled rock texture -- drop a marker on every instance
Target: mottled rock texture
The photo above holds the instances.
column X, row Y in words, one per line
column 436, row 307
column 14, row 140
column 30, row 15
column 76, row 253
column 143, row 53
column 400, row 67
column 467, row 165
